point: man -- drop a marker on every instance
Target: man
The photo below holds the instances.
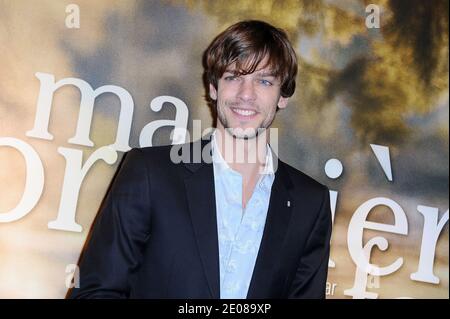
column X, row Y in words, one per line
column 241, row 224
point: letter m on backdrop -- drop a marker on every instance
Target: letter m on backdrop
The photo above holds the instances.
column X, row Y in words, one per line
column 88, row 96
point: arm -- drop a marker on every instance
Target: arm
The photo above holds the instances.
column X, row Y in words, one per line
column 120, row 230
column 311, row 275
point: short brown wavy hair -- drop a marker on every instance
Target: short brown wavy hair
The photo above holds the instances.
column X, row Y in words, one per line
column 247, row 43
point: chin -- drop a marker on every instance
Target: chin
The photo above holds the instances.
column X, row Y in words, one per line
column 243, row 133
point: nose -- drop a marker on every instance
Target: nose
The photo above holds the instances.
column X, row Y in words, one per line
column 247, row 91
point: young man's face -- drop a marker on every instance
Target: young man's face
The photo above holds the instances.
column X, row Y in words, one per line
column 248, row 102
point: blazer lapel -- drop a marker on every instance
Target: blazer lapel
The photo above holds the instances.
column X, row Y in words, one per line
column 201, row 196
column 278, row 215
column 202, row 207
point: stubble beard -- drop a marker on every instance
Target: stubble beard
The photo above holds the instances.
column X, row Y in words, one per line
column 238, row 133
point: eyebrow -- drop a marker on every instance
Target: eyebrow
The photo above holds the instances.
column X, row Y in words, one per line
column 262, row 74
column 266, row 74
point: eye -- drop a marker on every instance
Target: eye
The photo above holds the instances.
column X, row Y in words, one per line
column 265, row 82
column 230, row 77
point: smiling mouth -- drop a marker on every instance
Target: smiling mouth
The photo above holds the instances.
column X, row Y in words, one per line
column 243, row 112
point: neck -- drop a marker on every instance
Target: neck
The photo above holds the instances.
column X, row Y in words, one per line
column 246, row 156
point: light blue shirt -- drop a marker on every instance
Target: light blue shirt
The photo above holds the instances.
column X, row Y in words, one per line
column 239, row 231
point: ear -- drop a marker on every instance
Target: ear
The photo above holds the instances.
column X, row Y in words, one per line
column 282, row 102
column 212, row 92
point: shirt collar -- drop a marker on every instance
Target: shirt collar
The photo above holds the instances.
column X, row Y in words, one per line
column 220, row 163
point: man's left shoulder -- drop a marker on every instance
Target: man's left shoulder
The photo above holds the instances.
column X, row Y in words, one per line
column 301, row 180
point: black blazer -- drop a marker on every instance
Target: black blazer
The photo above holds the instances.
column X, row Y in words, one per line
column 156, row 234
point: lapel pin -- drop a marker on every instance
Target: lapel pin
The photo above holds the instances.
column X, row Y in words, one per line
column 288, row 203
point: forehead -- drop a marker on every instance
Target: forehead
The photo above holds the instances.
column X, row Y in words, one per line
column 261, row 69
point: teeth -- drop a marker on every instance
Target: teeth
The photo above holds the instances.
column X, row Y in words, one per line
column 244, row 112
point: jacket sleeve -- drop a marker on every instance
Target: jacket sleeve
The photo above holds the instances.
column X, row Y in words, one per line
column 114, row 249
column 311, row 275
